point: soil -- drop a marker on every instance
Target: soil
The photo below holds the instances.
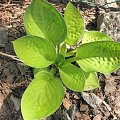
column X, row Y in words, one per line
column 100, row 104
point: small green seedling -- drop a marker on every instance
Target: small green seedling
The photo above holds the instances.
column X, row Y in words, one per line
column 44, row 49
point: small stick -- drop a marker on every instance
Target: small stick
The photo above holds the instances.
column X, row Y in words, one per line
column 10, row 56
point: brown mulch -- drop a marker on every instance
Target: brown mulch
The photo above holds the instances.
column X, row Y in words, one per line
column 99, row 104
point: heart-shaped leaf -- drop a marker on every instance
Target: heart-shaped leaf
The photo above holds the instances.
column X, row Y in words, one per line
column 43, row 97
column 91, row 81
column 92, row 36
column 35, row 51
column 75, row 24
column 43, row 20
column 72, row 77
column 100, row 56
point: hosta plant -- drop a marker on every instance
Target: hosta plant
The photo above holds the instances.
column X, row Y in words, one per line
column 55, row 65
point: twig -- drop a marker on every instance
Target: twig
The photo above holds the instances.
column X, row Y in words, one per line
column 10, row 56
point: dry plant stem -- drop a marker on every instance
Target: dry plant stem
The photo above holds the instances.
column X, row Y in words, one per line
column 10, row 56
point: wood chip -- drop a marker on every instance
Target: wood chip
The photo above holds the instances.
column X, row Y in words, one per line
column 66, row 103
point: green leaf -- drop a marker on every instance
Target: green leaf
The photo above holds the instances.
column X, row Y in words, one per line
column 72, row 77
column 63, row 49
column 100, row 56
column 43, row 97
column 60, row 59
column 91, row 81
column 35, row 51
column 71, row 53
column 92, row 36
column 75, row 24
column 36, row 70
column 43, row 20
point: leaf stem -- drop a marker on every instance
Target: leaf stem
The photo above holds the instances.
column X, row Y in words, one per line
column 71, row 59
column 53, row 70
column 71, row 53
column 58, row 48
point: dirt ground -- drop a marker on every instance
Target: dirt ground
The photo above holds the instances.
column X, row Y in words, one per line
column 100, row 104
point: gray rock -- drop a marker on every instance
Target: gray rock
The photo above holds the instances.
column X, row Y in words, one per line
column 100, row 2
column 108, row 3
column 112, row 3
column 110, row 24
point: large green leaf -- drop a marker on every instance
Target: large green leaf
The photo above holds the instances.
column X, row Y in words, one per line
column 35, row 51
column 43, row 97
column 91, row 81
column 43, row 20
column 75, row 24
column 92, row 36
column 72, row 77
column 100, row 56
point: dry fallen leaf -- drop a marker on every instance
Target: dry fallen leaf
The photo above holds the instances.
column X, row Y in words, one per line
column 97, row 117
column 78, row 115
column 76, row 97
column 83, row 107
column 66, row 103
column 87, row 117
